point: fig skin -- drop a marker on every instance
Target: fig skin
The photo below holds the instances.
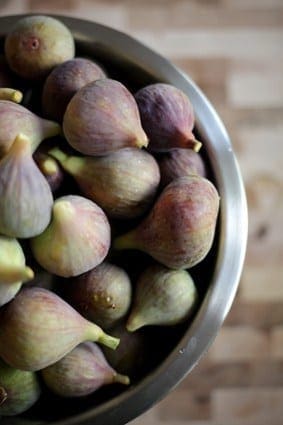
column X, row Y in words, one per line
column 102, row 295
column 81, row 372
column 36, row 44
column 38, row 328
column 25, row 196
column 123, row 183
column 179, row 230
column 163, row 297
column 76, row 240
column 167, row 117
column 64, row 81
column 103, row 117
column 19, row 390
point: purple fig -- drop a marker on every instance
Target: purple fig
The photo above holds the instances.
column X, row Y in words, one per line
column 11, row 94
column 163, row 297
column 123, row 183
column 180, row 163
column 36, row 44
column 103, row 117
column 19, row 390
column 15, row 119
column 179, row 230
column 76, row 240
column 81, row 372
column 102, row 295
column 64, row 81
column 38, row 328
column 167, row 117
column 25, row 196
column 50, row 169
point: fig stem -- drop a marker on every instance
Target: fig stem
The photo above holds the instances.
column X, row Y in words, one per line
column 121, row 379
column 72, row 164
column 196, row 145
column 12, row 275
column 3, row 395
column 96, row 334
column 109, row 341
column 62, row 210
column 51, row 129
column 58, row 154
column 21, row 142
column 49, row 166
column 134, row 323
column 11, row 94
column 142, row 143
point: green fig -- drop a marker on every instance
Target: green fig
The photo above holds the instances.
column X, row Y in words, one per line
column 123, row 183
column 19, row 390
column 103, row 117
column 13, row 271
column 81, row 372
column 163, row 297
column 36, row 44
column 76, row 240
column 11, row 94
column 179, row 230
column 38, row 328
column 103, row 295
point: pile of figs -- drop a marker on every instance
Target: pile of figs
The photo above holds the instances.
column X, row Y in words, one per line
column 104, row 206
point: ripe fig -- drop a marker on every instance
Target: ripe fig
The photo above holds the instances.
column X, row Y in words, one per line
column 36, row 44
column 15, row 119
column 123, row 183
column 102, row 295
column 25, row 196
column 103, row 117
column 11, row 94
column 81, row 372
column 179, row 230
column 163, row 297
column 19, row 390
column 13, row 271
column 64, row 81
column 76, row 240
column 38, row 328
column 50, row 169
column 167, row 117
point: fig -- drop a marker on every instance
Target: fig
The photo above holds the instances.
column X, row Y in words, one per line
column 25, row 196
column 163, row 297
column 11, row 94
column 19, row 390
column 180, row 163
column 38, row 328
column 15, row 119
column 36, row 44
column 103, row 295
column 13, row 271
column 167, row 117
column 76, row 240
column 50, row 169
column 123, row 183
column 64, row 81
column 103, row 117
column 179, row 230
column 81, row 372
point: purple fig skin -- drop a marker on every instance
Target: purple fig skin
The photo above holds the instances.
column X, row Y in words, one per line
column 179, row 163
column 102, row 295
column 64, row 81
column 81, row 372
column 123, row 183
column 38, row 328
column 179, row 230
column 76, row 240
column 36, row 44
column 167, row 117
column 103, row 117
column 50, row 169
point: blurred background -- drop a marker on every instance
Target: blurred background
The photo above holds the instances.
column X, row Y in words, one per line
column 233, row 49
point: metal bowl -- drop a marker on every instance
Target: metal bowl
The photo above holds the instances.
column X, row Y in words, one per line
column 140, row 65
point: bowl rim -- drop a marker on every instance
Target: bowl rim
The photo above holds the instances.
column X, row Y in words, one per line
column 233, row 218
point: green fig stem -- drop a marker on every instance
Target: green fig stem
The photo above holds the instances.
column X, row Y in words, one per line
column 71, row 164
column 96, row 334
column 59, row 155
column 109, row 341
column 21, row 142
column 121, row 379
column 142, row 142
column 127, row 241
column 11, row 94
column 13, row 275
column 51, row 129
column 3, row 395
column 196, row 145
column 134, row 323
column 49, row 166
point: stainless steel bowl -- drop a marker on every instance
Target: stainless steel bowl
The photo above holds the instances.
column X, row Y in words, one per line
column 139, row 63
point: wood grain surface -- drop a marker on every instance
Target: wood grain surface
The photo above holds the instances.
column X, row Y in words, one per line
column 233, row 49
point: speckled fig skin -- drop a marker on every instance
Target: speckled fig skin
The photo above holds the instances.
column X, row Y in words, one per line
column 123, row 183
column 179, row 230
column 167, row 117
column 38, row 328
column 19, row 390
column 76, row 240
column 163, row 297
column 36, row 44
column 81, row 372
column 64, row 81
column 102, row 295
column 103, row 117
column 25, row 196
